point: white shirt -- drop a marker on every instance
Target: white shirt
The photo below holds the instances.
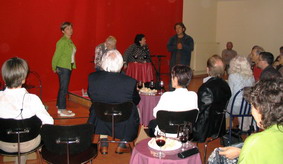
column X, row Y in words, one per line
column 179, row 100
column 13, row 100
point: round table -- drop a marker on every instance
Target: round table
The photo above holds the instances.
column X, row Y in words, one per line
column 140, row 71
column 146, row 105
column 142, row 154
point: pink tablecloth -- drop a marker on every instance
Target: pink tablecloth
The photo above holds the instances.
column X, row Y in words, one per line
column 142, row 154
column 146, row 105
column 140, row 71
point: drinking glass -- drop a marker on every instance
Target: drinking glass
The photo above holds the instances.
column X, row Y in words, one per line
column 183, row 138
column 151, row 85
column 160, row 141
column 140, row 84
column 161, row 87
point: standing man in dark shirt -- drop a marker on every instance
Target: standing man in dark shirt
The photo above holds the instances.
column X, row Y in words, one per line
column 265, row 64
column 181, row 46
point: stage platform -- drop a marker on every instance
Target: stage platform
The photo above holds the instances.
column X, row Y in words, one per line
column 80, row 97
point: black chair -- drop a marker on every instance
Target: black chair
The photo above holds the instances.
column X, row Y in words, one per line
column 33, row 81
column 17, row 131
column 68, row 144
column 218, row 135
column 171, row 121
column 113, row 113
column 244, row 112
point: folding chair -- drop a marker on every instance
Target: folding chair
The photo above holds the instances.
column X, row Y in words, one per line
column 113, row 113
column 170, row 122
column 68, row 144
column 18, row 131
column 244, row 112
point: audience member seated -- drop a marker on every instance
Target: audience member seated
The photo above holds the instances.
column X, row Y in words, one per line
column 16, row 103
column 265, row 64
column 240, row 76
column 228, row 54
column 110, row 86
column 213, row 96
column 178, row 100
column 101, row 49
column 267, row 109
column 279, row 65
column 137, row 60
column 253, row 59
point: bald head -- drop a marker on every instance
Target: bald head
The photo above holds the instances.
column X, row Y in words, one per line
column 215, row 66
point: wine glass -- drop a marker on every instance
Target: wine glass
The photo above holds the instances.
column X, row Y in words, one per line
column 151, row 85
column 161, row 87
column 160, row 141
column 139, row 84
column 183, row 138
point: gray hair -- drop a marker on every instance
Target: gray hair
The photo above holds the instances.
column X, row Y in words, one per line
column 112, row 61
column 14, row 72
column 111, row 40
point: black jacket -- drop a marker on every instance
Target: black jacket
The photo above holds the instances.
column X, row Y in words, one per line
column 114, row 88
column 212, row 99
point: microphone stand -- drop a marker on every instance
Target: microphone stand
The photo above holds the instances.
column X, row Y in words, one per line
column 157, row 72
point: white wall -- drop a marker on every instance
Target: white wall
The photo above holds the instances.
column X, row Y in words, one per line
column 244, row 22
column 199, row 16
column 250, row 22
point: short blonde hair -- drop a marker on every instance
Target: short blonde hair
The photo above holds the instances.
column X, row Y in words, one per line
column 112, row 61
column 111, row 40
column 240, row 65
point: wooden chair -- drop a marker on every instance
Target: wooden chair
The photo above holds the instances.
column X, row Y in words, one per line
column 113, row 113
column 17, row 131
column 68, row 144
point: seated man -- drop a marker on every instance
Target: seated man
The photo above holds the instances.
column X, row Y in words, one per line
column 265, row 64
column 110, row 86
column 213, row 95
column 180, row 99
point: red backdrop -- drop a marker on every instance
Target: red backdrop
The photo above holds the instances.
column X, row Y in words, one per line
column 30, row 29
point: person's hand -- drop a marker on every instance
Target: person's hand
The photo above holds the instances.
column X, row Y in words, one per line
column 125, row 66
column 179, row 46
column 230, row 152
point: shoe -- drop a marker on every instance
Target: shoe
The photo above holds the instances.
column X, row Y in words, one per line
column 121, row 150
column 66, row 115
column 104, row 150
column 59, row 111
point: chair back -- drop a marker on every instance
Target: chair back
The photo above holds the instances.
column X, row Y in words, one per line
column 169, row 121
column 244, row 109
column 53, row 135
column 28, row 128
column 104, row 111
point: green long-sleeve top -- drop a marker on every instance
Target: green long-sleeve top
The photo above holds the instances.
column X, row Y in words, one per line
column 63, row 54
column 263, row 147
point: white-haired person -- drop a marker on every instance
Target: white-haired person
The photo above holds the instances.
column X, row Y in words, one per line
column 101, row 49
column 16, row 103
column 111, row 86
column 240, row 76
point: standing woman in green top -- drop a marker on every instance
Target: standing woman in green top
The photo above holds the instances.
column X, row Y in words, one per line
column 63, row 62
